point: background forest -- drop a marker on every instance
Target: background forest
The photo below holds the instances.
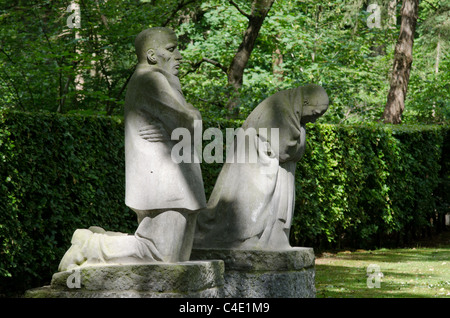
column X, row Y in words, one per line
column 53, row 62
column 362, row 183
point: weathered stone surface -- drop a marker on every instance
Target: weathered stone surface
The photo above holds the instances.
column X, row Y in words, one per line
column 259, row 260
column 287, row 273
column 271, row 284
column 253, row 200
column 158, row 280
column 165, row 193
column 154, row 108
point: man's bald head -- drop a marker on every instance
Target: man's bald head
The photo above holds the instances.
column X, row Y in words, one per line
column 152, row 39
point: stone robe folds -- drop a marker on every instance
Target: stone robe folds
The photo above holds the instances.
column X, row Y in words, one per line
column 252, row 203
column 154, row 105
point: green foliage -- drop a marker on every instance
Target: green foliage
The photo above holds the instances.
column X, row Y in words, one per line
column 428, row 91
column 48, row 66
column 45, row 65
column 58, row 173
column 324, row 43
column 357, row 185
column 370, row 185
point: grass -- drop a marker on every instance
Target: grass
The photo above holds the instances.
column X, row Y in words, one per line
column 420, row 272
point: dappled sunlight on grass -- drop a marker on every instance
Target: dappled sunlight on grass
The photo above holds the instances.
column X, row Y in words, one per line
column 416, row 272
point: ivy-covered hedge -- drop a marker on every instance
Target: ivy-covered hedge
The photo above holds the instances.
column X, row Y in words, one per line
column 359, row 186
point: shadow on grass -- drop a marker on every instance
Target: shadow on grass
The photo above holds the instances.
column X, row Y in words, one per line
column 352, row 282
column 406, row 273
column 399, row 255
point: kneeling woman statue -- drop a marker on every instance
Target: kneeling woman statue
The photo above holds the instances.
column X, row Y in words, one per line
column 252, row 203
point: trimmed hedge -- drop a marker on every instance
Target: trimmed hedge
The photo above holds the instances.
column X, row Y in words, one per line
column 366, row 186
column 58, row 173
column 359, row 186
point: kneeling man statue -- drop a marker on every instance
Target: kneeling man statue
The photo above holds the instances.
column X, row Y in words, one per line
column 165, row 195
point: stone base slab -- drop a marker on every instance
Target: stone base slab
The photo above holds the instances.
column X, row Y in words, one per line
column 157, row 280
column 265, row 274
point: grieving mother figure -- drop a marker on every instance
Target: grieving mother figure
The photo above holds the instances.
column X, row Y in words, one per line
column 165, row 195
column 252, row 203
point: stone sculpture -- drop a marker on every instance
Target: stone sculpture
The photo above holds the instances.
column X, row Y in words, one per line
column 252, row 203
column 165, row 195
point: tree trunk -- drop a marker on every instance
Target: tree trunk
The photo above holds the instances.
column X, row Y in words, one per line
column 79, row 79
column 436, row 70
column 402, row 63
column 260, row 8
column 277, row 60
column 438, row 53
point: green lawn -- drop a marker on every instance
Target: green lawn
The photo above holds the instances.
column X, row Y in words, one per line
column 406, row 272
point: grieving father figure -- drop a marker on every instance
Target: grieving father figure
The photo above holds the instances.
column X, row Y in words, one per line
column 165, row 195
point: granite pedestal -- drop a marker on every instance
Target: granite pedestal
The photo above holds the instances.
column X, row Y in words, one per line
column 193, row 279
column 287, row 273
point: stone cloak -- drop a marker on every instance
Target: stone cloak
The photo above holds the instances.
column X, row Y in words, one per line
column 252, row 204
column 153, row 179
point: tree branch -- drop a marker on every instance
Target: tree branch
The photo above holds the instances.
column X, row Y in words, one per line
column 178, row 8
column 25, row 77
column 131, row 71
column 196, row 66
column 351, row 112
column 215, row 63
column 102, row 16
column 14, row 89
column 239, row 9
column 432, row 5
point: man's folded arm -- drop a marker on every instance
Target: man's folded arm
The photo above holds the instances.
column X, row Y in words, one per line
column 163, row 97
